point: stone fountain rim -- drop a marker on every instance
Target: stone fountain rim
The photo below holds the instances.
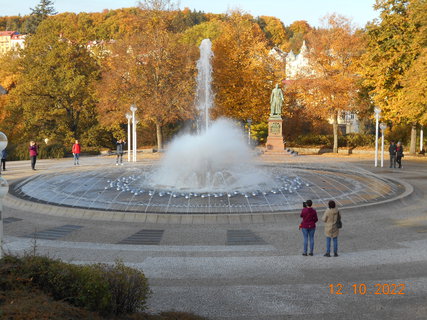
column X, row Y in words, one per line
column 12, row 200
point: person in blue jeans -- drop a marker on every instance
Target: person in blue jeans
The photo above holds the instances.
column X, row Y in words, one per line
column 308, row 226
column 331, row 231
column 3, row 160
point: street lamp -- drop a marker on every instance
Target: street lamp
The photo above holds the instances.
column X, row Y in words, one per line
column 4, row 187
column 128, row 116
column 383, row 126
column 133, row 108
column 249, row 131
column 377, row 118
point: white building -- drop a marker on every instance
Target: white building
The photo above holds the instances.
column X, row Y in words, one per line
column 297, row 65
column 18, row 41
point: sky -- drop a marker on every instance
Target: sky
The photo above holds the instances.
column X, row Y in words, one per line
column 360, row 11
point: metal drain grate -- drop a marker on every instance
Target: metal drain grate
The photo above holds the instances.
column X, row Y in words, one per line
column 145, row 236
column 55, row 233
column 11, row 219
column 243, row 237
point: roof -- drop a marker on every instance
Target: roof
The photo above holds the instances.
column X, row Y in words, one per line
column 17, row 36
column 7, row 33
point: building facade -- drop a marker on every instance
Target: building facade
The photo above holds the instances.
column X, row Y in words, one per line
column 11, row 40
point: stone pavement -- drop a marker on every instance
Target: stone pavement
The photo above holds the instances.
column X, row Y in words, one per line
column 253, row 270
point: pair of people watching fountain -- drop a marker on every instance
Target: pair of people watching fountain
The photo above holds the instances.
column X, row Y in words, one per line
column 308, row 227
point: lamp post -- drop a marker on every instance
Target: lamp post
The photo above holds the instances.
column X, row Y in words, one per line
column 133, row 108
column 249, row 130
column 4, row 187
column 377, row 118
column 383, row 126
column 128, row 116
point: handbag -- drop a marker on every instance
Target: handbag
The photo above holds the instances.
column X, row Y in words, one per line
column 338, row 224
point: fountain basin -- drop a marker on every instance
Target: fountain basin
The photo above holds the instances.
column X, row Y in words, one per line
column 100, row 191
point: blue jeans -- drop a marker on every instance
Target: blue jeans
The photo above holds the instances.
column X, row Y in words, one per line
column 76, row 158
column 308, row 233
column 328, row 244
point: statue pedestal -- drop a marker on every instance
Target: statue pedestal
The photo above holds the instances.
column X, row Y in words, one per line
column 275, row 136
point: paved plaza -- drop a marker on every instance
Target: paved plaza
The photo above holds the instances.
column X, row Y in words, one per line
column 246, row 266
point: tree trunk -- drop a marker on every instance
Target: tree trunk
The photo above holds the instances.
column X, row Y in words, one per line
column 159, row 136
column 335, row 131
column 413, row 146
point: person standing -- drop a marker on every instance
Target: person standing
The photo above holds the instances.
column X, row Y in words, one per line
column 3, row 159
column 392, row 151
column 308, row 226
column 330, row 218
column 33, row 154
column 76, row 152
column 120, row 146
column 399, row 154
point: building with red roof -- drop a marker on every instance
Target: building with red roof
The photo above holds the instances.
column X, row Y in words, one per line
column 11, row 40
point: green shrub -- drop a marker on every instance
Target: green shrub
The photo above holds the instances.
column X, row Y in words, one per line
column 21, row 151
column 359, row 140
column 102, row 288
column 351, row 140
column 259, row 132
column 129, row 288
column 52, row 151
column 314, row 140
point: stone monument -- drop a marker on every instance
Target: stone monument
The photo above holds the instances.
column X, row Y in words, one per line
column 275, row 122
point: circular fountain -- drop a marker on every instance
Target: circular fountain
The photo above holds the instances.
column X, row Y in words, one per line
column 212, row 171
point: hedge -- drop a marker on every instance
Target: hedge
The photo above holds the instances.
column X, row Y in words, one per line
column 106, row 289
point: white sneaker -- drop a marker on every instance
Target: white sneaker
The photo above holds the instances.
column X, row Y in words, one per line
column 117, row 164
column 121, row 163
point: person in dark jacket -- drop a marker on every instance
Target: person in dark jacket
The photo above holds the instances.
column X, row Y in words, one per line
column 399, row 154
column 3, row 159
column 308, row 226
column 392, row 151
column 120, row 146
column 33, row 154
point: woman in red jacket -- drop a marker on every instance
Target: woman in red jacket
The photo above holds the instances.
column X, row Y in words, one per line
column 308, row 226
column 33, row 148
column 76, row 152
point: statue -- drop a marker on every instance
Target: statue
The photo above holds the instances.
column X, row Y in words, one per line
column 276, row 101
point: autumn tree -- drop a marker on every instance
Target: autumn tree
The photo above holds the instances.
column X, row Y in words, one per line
column 333, row 56
column 389, row 55
column 55, row 89
column 411, row 102
column 154, row 70
column 206, row 30
column 274, row 30
column 297, row 32
column 13, row 23
column 243, row 73
column 9, row 73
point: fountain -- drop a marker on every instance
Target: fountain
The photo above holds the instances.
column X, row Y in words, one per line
column 217, row 159
column 210, row 172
